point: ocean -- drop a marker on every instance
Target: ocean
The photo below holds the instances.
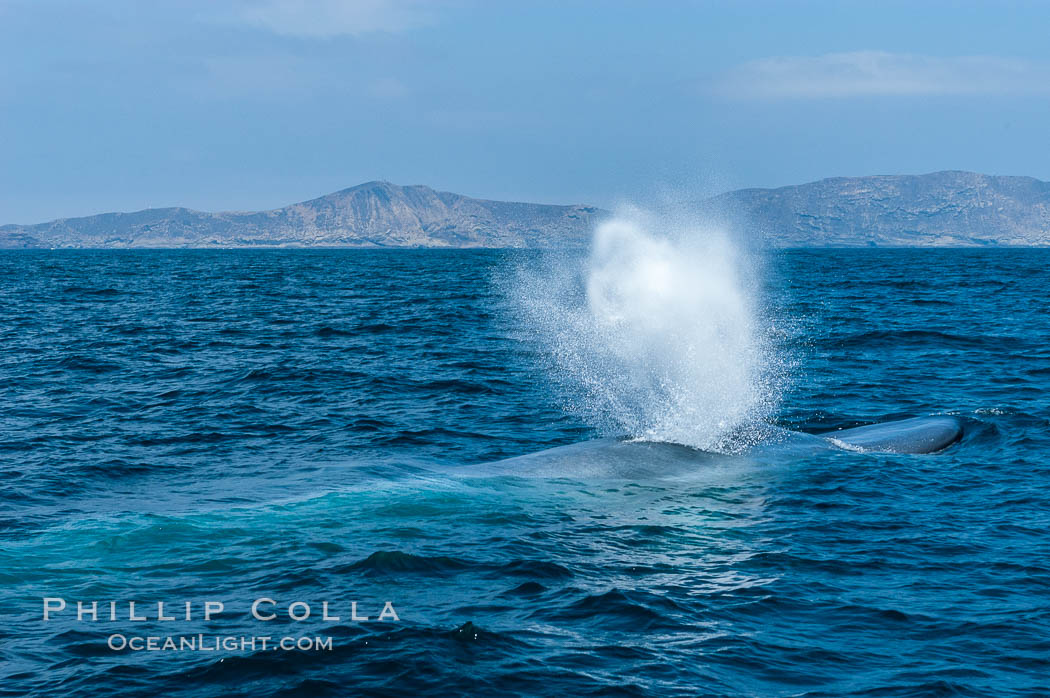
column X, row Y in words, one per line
column 294, row 429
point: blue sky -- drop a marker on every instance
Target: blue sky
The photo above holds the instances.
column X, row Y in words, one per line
column 121, row 104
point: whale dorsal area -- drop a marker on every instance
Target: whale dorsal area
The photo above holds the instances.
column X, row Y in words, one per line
column 918, row 435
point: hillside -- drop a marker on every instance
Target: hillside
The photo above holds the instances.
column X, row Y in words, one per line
column 939, row 209
column 376, row 214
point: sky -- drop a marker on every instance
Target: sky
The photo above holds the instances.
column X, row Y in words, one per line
column 117, row 105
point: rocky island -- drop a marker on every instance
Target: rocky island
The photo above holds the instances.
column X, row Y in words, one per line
column 940, row 209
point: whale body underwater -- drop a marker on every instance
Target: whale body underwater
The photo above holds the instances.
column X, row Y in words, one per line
column 632, row 458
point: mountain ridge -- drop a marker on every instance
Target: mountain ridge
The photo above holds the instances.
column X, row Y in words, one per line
column 948, row 208
column 372, row 214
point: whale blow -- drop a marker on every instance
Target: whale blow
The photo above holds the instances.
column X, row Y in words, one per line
column 658, row 334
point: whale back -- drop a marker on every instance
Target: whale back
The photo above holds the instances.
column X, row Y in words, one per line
column 918, row 435
column 634, row 459
column 602, row 458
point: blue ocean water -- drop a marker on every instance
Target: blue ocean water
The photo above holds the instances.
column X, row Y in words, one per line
column 193, row 426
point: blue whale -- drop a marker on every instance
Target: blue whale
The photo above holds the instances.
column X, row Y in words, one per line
column 623, row 458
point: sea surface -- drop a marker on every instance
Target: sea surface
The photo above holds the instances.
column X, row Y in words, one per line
column 295, row 425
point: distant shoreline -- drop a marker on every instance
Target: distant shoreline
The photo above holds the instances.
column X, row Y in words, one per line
column 942, row 209
column 291, row 248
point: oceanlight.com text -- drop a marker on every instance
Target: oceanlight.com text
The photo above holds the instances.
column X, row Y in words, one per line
column 216, row 643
